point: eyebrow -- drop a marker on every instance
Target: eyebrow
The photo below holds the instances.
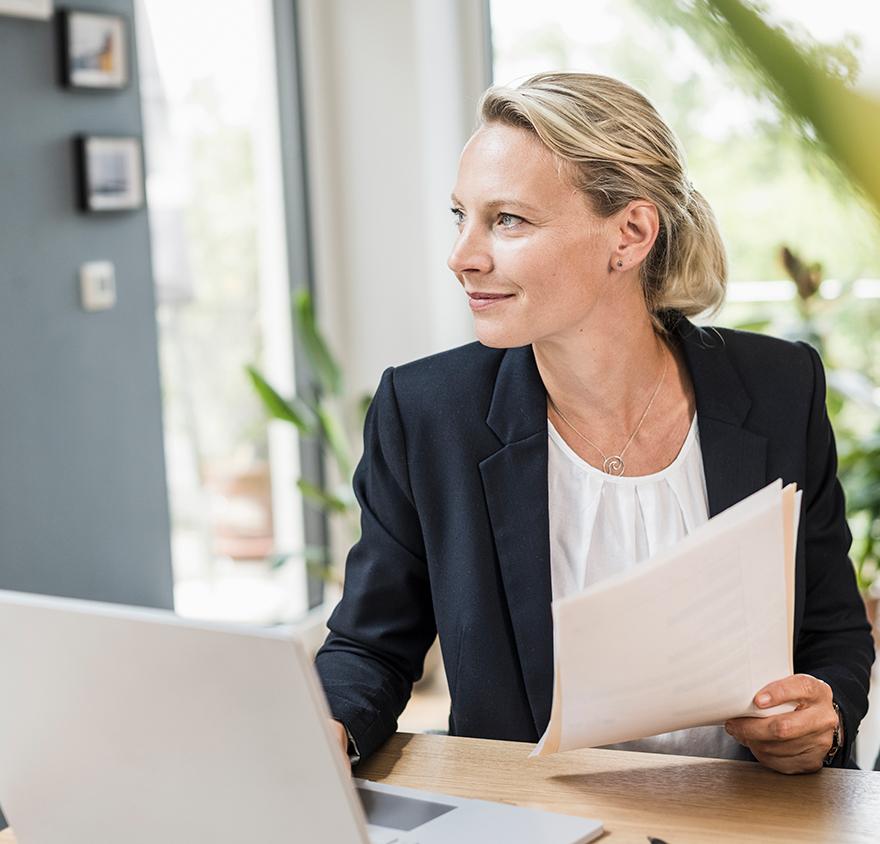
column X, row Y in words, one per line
column 497, row 203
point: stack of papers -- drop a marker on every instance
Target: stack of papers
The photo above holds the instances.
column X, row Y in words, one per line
column 685, row 639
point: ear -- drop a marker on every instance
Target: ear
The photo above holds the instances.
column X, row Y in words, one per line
column 637, row 226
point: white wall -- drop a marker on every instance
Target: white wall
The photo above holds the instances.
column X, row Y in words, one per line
column 391, row 88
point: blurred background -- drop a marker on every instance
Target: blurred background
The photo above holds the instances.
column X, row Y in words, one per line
column 190, row 444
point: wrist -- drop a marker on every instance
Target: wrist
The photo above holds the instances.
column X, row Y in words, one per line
column 351, row 748
column 836, row 738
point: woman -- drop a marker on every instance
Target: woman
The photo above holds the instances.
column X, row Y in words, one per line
column 591, row 426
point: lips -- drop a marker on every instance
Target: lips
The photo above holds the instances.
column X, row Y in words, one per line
column 482, row 301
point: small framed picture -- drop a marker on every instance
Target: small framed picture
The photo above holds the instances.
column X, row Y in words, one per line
column 110, row 173
column 38, row 9
column 94, row 50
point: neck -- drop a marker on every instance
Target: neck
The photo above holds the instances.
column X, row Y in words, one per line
column 605, row 371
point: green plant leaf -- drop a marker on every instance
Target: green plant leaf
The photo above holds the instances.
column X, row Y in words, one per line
column 867, row 497
column 845, row 121
column 758, row 325
column 312, row 554
column 335, row 437
column 292, row 410
column 324, row 364
column 322, row 498
column 317, row 560
column 364, row 403
column 325, row 572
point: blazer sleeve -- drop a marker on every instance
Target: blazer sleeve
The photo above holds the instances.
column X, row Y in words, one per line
column 383, row 626
column 835, row 642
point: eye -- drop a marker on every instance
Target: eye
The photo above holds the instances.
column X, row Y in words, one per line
column 509, row 221
column 458, row 215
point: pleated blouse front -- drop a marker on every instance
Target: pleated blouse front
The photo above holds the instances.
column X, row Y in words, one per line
column 601, row 525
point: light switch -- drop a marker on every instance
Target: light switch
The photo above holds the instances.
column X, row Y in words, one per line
column 97, row 285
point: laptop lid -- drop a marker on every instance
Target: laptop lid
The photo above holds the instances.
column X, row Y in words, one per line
column 122, row 724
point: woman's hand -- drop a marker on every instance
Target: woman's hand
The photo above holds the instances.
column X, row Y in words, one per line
column 793, row 742
column 341, row 737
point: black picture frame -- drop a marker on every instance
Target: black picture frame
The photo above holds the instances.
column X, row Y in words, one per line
column 110, row 173
column 95, row 50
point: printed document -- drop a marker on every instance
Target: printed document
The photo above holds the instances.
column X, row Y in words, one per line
column 685, row 639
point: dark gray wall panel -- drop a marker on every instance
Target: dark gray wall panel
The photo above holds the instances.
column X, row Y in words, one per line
column 83, row 504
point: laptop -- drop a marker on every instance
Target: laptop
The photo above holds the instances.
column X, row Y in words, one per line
column 120, row 724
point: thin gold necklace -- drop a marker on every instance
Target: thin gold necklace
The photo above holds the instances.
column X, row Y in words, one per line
column 613, row 464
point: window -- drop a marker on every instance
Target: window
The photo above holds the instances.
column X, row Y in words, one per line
column 209, row 92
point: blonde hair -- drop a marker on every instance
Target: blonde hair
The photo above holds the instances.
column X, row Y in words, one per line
column 616, row 148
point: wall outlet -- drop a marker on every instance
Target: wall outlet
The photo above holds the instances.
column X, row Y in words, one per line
column 97, row 285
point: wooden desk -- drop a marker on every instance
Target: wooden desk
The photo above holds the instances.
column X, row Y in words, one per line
column 680, row 799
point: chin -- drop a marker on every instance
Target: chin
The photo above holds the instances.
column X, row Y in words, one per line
column 501, row 337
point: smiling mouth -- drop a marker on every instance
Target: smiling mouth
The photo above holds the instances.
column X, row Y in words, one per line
column 481, row 301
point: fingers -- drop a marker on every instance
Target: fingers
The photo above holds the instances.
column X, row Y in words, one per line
column 792, row 742
column 803, row 763
column 802, row 689
column 814, row 742
column 812, row 720
column 800, row 755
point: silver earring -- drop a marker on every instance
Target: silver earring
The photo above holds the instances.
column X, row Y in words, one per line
column 619, row 263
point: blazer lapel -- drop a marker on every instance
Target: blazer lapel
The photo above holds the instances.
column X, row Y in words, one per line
column 734, row 458
column 515, row 486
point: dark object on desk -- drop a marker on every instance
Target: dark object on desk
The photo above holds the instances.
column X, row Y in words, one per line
column 656, row 840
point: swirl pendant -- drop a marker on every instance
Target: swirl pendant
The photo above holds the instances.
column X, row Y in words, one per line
column 613, row 465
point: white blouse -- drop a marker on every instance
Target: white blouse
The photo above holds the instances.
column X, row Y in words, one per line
column 601, row 525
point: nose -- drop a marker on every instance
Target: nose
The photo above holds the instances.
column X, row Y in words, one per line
column 471, row 252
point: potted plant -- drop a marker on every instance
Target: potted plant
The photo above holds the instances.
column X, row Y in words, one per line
column 319, row 412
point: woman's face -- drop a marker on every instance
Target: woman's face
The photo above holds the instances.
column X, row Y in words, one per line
column 531, row 256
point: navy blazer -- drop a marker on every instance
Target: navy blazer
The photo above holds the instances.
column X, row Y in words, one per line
column 455, row 539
